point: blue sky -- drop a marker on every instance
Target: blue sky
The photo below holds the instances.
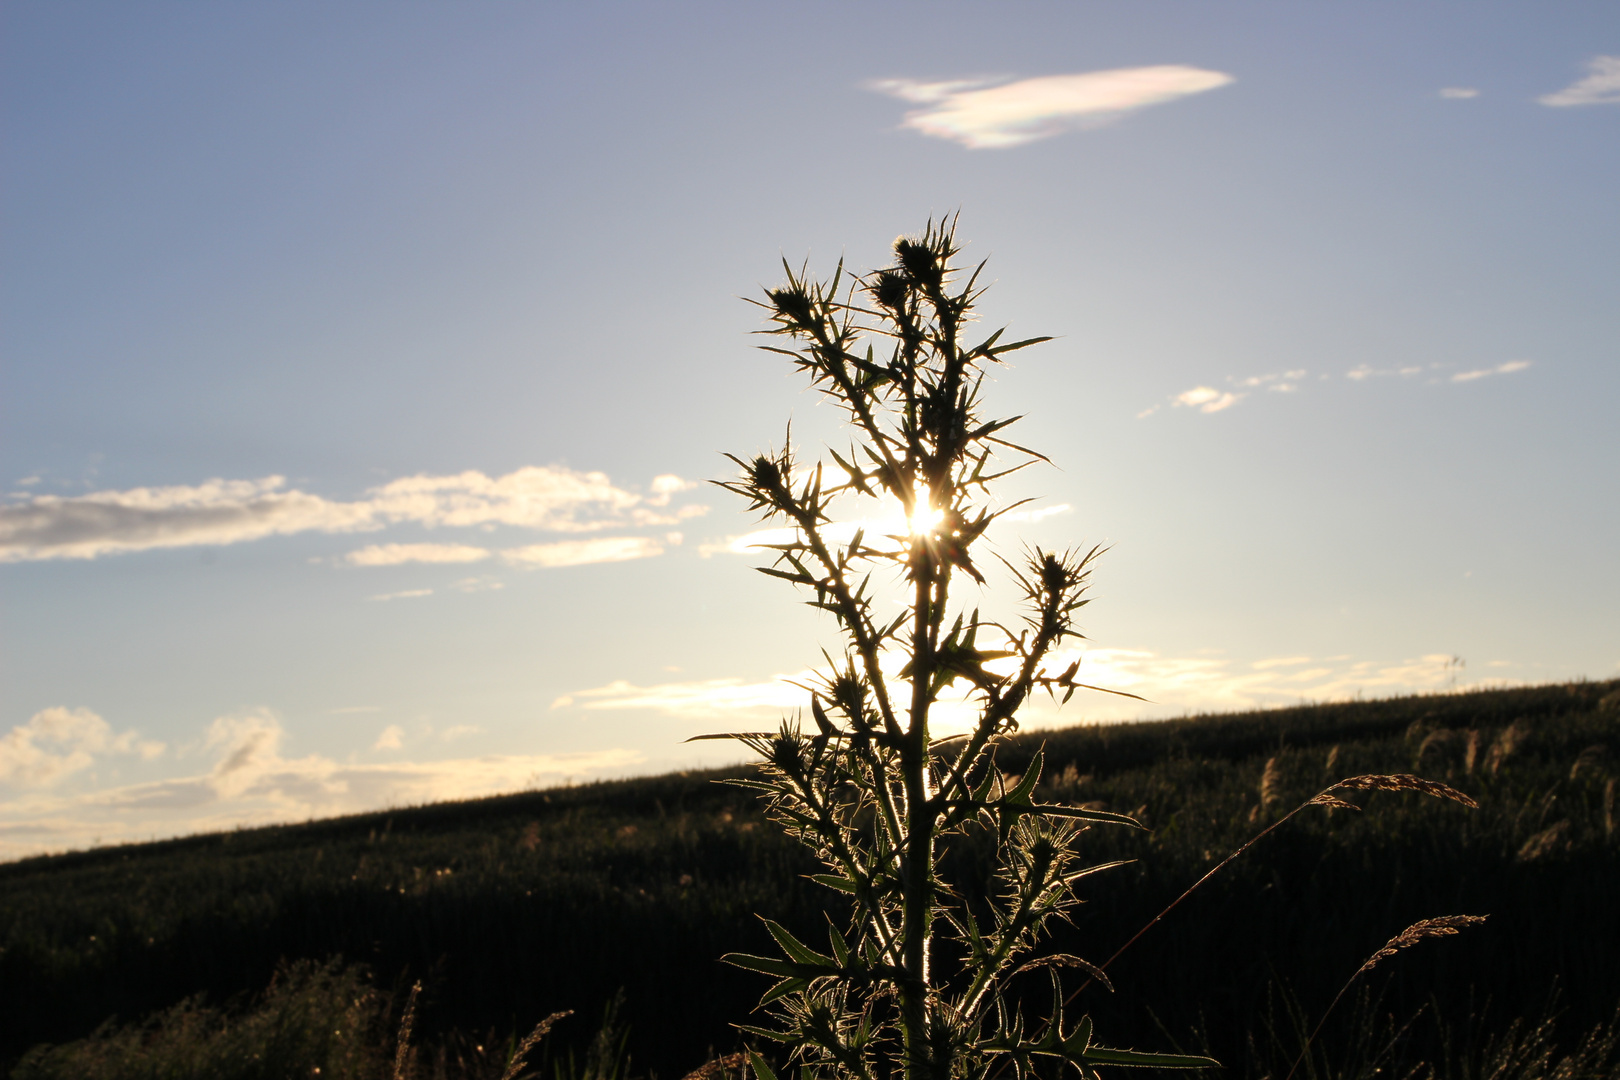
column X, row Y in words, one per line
column 362, row 364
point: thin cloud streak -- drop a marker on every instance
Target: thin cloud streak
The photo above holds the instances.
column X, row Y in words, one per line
column 398, row 554
column 983, row 116
column 1208, row 399
column 1484, row 373
column 582, row 552
column 1172, row 685
column 546, row 498
column 1600, row 87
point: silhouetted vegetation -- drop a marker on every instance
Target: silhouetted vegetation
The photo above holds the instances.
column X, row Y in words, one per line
column 511, row 908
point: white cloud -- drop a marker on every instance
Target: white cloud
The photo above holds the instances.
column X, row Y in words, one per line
column 391, row 738
column 396, row 554
column 250, row 783
column 1207, row 399
column 215, row 512
column 1032, row 516
column 1362, row 372
column 545, row 498
column 404, row 594
column 981, row 115
column 581, row 552
column 1459, row 93
column 692, row 699
column 58, row 741
column 1600, row 87
column 1172, row 685
column 1484, row 373
column 667, row 485
column 1282, row 382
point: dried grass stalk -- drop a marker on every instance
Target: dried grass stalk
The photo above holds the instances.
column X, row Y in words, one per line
column 1544, row 843
column 521, row 1054
column 402, row 1050
column 1506, row 745
column 1270, row 783
column 1444, row 926
column 1405, row 782
column 718, row 1067
column 1332, row 802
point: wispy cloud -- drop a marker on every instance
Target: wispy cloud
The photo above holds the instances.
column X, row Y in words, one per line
column 581, row 552
column 403, row 594
column 1279, row 382
column 250, row 781
column 545, row 498
column 1362, row 372
column 982, row 115
column 1459, row 93
column 57, row 742
column 694, row 700
column 1172, row 685
column 1600, row 87
column 1484, row 373
column 1208, row 399
column 397, row 554
column 1029, row 517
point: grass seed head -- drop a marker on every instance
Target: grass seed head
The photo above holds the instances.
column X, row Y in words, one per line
column 1406, row 782
column 1444, row 926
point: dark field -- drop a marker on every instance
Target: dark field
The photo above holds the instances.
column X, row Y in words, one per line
column 510, row 908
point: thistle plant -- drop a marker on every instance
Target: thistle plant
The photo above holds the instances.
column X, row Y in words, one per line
column 919, row 980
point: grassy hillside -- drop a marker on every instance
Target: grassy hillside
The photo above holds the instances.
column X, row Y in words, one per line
column 510, row 908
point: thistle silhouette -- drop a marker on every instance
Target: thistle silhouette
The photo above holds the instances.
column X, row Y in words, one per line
column 870, row 788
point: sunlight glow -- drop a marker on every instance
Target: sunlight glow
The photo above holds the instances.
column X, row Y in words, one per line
column 925, row 520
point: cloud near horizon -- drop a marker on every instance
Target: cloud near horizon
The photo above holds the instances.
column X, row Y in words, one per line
column 250, row 782
column 982, row 115
column 547, row 498
column 1172, row 685
column 57, row 742
column 1600, row 87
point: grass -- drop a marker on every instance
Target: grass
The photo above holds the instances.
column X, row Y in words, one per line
column 512, row 908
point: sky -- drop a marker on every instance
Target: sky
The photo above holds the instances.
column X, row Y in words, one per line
column 364, row 366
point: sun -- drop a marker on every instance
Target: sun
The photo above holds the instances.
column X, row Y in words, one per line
column 925, row 520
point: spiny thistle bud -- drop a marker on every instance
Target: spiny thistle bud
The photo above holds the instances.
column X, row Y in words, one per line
column 791, row 304
column 890, row 289
column 765, row 474
column 1054, row 575
column 919, row 260
column 786, row 754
